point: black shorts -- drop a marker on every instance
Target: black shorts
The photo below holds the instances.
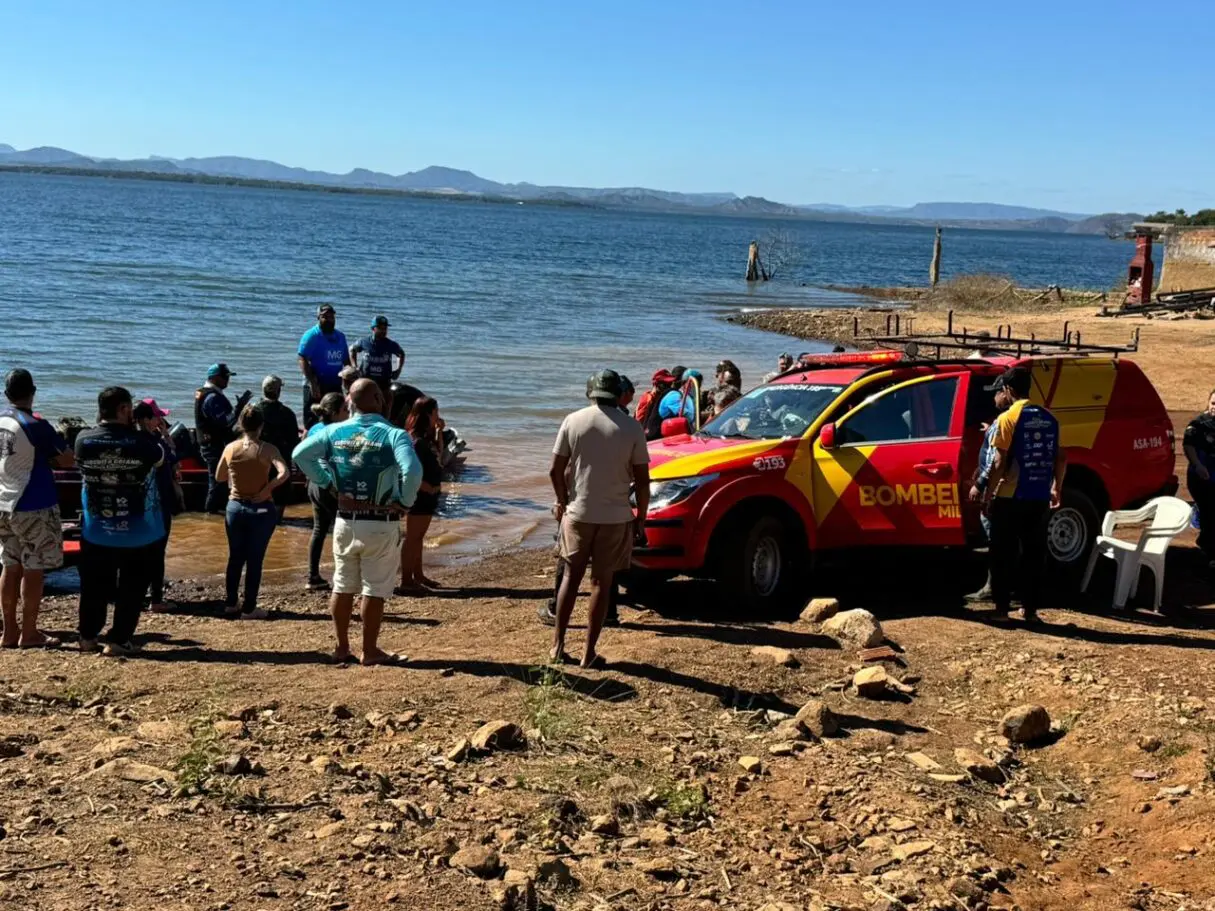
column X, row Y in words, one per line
column 426, row 504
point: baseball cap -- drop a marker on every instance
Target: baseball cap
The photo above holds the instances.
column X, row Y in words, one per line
column 604, row 386
column 19, row 385
column 325, row 308
column 380, row 321
column 157, row 411
column 786, row 356
column 1014, row 378
column 219, row 370
column 662, row 377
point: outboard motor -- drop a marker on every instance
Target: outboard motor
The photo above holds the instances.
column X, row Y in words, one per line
column 183, row 439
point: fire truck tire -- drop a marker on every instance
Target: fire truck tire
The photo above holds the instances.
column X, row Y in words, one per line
column 1071, row 530
column 756, row 568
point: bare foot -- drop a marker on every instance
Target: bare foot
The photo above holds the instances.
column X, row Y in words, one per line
column 428, row 583
column 593, row 662
column 378, row 656
column 8, row 643
column 341, row 655
column 558, row 656
column 39, row 640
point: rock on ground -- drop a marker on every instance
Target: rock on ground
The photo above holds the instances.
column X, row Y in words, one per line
column 855, row 628
column 817, row 719
column 1026, row 724
column 978, row 765
column 752, row 765
column 781, row 657
column 478, row 860
column 497, row 735
column 820, row 610
column 871, row 682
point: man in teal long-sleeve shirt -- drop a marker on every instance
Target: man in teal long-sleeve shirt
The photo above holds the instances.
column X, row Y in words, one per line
column 371, row 466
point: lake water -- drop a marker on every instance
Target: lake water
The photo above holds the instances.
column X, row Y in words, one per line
column 503, row 310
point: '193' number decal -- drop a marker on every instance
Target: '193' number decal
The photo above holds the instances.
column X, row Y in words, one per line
column 769, row 463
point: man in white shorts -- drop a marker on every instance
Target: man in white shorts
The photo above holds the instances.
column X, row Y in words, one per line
column 371, row 466
column 31, row 534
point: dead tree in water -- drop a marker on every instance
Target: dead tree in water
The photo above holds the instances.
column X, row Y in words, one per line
column 755, row 268
column 934, row 270
column 775, row 253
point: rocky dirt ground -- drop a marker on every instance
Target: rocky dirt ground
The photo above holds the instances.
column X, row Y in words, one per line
column 713, row 764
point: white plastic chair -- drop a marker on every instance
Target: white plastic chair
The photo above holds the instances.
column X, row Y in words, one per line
column 1169, row 517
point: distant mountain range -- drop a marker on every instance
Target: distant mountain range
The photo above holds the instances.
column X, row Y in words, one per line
column 451, row 181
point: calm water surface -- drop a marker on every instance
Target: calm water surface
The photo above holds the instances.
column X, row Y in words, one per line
column 502, row 309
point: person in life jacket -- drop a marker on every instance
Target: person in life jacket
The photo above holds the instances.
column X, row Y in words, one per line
column 647, row 406
column 1023, row 486
column 215, row 427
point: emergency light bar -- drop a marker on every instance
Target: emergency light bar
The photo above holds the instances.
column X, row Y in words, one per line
column 856, row 357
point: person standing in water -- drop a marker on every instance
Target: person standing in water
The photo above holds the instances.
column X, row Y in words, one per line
column 378, row 357
column 323, row 353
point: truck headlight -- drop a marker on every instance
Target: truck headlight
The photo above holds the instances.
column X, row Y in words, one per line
column 668, row 493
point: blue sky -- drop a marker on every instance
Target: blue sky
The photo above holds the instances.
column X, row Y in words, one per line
column 1066, row 105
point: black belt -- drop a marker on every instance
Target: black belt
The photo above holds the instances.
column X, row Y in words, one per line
column 370, row 516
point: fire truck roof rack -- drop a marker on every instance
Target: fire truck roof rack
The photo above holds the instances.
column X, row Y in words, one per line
column 900, row 334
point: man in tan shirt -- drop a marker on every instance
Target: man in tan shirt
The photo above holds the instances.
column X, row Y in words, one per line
column 604, row 452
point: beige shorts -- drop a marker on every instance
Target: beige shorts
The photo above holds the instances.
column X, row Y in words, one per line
column 608, row 548
column 32, row 540
column 366, row 557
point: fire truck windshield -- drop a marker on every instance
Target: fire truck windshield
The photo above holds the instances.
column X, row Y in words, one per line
column 773, row 412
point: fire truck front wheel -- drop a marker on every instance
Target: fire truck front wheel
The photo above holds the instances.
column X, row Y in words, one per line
column 755, row 564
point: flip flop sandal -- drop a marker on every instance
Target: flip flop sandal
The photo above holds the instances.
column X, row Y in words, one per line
column 48, row 642
column 391, row 660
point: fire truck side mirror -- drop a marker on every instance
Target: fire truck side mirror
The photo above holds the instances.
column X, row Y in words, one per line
column 826, row 436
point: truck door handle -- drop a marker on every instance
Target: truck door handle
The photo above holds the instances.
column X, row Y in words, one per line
column 935, row 469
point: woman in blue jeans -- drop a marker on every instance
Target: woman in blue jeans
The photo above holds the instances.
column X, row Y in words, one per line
column 246, row 466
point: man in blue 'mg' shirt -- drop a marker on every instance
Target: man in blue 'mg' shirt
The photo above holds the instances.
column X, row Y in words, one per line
column 323, row 353
column 372, row 468
column 122, row 521
column 374, row 355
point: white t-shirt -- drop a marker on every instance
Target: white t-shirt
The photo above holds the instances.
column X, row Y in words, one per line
column 603, row 444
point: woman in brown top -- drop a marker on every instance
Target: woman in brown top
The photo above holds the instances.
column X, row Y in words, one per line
column 251, row 516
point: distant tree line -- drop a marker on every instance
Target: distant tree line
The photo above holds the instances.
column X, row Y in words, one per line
column 1204, row 217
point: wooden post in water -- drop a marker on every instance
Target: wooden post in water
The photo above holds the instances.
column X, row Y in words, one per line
column 755, row 269
column 934, row 271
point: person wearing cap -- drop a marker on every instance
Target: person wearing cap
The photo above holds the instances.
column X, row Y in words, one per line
column 600, row 453
column 215, row 428
column 323, row 353
column 1025, row 483
column 374, row 355
column 784, row 364
column 31, row 532
column 281, row 430
column 122, row 524
column 373, row 471
column 150, row 419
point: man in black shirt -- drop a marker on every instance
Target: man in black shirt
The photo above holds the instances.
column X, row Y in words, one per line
column 122, row 521
column 1198, row 443
column 281, row 430
column 374, row 354
column 215, row 426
